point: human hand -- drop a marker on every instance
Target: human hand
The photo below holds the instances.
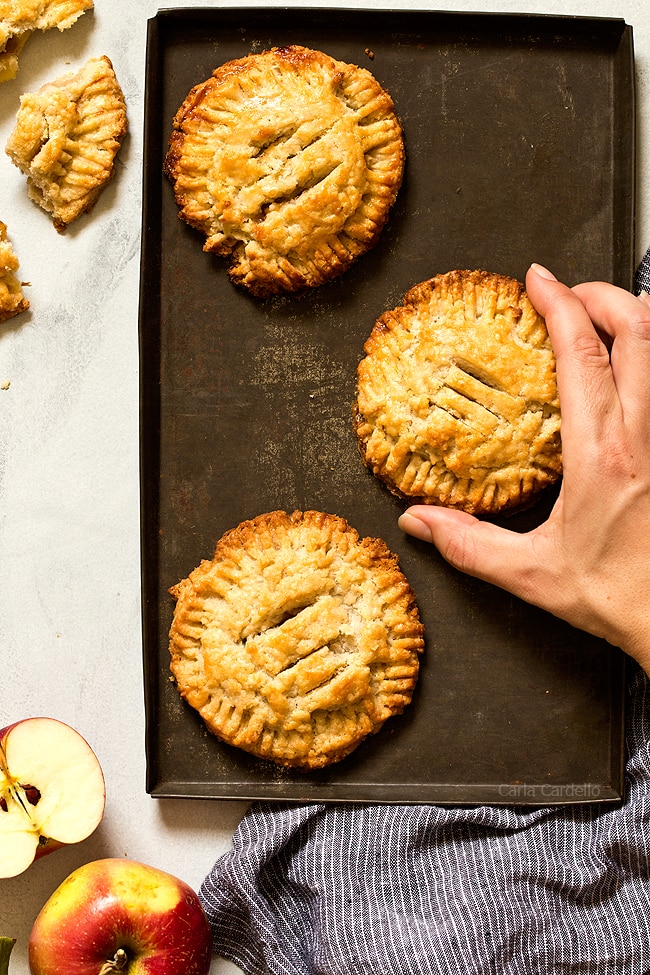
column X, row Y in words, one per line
column 589, row 563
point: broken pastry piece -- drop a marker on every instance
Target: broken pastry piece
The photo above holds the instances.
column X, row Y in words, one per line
column 12, row 300
column 66, row 138
column 20, row 18
column 9, row 55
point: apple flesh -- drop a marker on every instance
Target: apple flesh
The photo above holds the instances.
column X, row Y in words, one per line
column 118, row 915
column 52, row 791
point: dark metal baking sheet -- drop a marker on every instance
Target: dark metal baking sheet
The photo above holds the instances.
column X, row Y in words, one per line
column 520, row 140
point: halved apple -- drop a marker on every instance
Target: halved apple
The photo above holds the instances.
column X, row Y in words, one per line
column 52, row 791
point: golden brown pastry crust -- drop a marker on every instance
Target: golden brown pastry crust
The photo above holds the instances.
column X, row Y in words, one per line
column 298, row 639
column 12, row 300
column 457, row 400
column 288, row 161
column 66, row 137
column 20, row 18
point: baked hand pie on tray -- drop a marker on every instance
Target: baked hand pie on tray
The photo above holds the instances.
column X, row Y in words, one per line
column 298, row 639
column 457, row 400
column 288, row 162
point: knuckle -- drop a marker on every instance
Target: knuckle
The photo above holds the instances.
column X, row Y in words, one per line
column 458, row 551
column 455, row 550
column 589, row 348
column 638, row 325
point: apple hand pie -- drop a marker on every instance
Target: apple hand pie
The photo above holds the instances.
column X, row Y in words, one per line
column 457, row 400
column 20, row 18
column 288, row 162
column 66, row 138
column 12, row 301
column 297, row 640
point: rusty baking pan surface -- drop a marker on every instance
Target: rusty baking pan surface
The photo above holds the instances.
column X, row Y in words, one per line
column 519, row 132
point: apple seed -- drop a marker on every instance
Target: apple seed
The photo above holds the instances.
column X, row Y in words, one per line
column 32, row 794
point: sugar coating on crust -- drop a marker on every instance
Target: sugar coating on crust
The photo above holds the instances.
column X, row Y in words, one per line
column 20, row 18
column 12, row 300
column 288, row 161
column 66, row 137
column 457, row 400
column 298, row 639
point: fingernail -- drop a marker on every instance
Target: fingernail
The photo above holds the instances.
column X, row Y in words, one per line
column 413, row 526
column 543, row 272
column 644, row 297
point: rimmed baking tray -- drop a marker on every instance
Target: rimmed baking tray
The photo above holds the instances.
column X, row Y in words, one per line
column 520, row 140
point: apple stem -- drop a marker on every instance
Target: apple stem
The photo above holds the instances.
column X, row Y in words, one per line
column 6, row 944
column 116, row 964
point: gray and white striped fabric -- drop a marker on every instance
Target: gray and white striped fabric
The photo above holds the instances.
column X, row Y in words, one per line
column 419, row 890
column 642, row 275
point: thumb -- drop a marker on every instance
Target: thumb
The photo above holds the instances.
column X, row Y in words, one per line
column 477, row 548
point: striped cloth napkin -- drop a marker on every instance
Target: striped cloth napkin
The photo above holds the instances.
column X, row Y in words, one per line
column 418, row 890
column 642, row 275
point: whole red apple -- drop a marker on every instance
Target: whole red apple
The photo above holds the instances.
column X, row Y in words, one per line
column 52, row 791
column 118, row 915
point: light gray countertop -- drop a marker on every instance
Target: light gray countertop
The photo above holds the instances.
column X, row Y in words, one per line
column 70, row 632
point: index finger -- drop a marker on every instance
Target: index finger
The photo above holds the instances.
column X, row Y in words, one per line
column 626, row 320
column 584, row 375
